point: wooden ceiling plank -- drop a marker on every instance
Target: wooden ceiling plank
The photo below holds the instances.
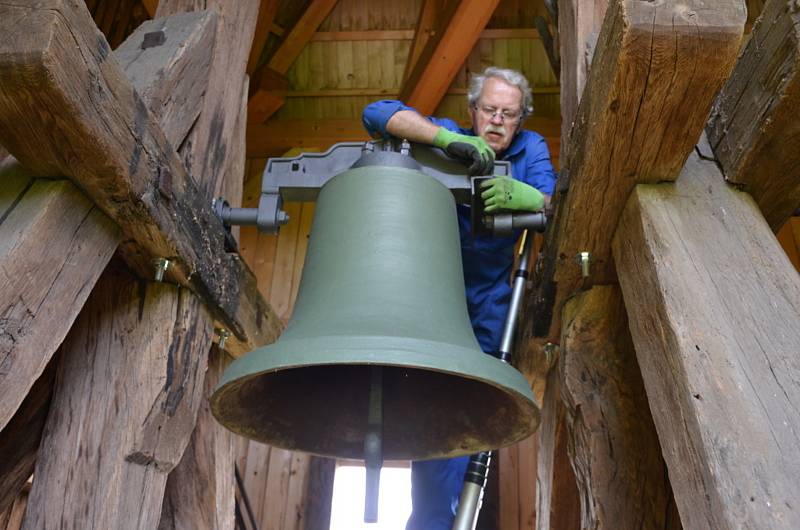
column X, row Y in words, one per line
column 459, row 29
column 753, row 129
column 266, row 16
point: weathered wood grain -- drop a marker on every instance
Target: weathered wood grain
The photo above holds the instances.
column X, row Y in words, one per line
column 171, row 77
column 19, row 440
column 209, row 151
column 437, row 65
column 54, row 244
column 579, row 23
column 714, row 308
column 654, row 75
column 110, row 144
column 753, row 128
column 125, row 402
column 613, row 443
column 200, row 490
column 557, row 502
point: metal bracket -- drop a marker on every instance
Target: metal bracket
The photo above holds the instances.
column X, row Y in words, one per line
column 300, row 178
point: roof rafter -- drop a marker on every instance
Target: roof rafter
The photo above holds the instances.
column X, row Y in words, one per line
column 264, row 99
column 458, row 31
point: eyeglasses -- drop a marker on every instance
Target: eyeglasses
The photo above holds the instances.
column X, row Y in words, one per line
column 505, row 114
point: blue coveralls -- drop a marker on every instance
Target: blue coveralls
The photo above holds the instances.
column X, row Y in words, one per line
column 436, row 484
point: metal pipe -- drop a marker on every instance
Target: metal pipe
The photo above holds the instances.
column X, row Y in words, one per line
column 517, row 291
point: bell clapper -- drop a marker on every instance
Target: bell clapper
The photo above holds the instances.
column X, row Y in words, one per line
column 373, row 444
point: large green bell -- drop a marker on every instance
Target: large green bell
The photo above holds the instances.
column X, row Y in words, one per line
column 382, row 286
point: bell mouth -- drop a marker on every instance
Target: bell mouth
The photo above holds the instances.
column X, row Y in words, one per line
column 450, row 401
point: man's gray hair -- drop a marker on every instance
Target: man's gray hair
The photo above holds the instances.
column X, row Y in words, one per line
column 512, row 77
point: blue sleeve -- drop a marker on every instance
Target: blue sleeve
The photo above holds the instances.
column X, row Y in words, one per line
column 376, row 115
column 539, row 171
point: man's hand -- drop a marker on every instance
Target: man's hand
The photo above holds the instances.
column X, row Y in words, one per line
column 470, row 148
column 504, row 193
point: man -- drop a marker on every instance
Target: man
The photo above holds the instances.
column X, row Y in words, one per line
column 499, row 101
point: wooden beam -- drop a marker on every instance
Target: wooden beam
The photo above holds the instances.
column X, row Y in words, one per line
column 278, row 136
column 269, row 83
column 427, row 23
column 654, row 76
column 266, row 16
column 113, row 148
column 754, row 129
column 268, row 95
column 714, row 307
column 150, row 6
column 19, row 440
column 128, row 388
column 171, row 77
column 409, row 34
column 294, row 42
column 438, row 64
column 55, row 244
column 390, row 92
column 557, row 502
column 613, row 443
column 200, row 490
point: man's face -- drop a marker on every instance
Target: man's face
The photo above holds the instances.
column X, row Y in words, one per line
column 496, row 115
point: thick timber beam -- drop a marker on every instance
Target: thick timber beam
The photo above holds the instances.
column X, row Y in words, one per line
column 612, row 440
column 459, row 28
column 714, row 308
column 113, row 148
column 54, row 244
column 654, row 75
column 200, row 490
column 754, row 130
column 126, row 397
column 19, row 440
column 557, row 501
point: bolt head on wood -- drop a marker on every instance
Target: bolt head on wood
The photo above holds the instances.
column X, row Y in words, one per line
column 162, row 264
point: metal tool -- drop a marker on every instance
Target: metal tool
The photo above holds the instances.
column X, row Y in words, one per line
column 478, row 468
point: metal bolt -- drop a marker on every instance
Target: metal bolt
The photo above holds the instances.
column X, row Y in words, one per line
column 368, row 147
column 550, row 351
column 162, row 264
column 223, row 337
column 585, row 259
column 282, row 217
column 405, row 148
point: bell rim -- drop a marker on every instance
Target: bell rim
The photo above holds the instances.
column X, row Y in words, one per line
column 501, row 376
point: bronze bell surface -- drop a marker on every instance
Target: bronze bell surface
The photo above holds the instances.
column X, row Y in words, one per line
column 382, row 287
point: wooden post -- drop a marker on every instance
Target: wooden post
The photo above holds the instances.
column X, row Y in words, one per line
column 656, row 69
column 126, row 398
column 200, row 490
column 714, row 307
column 557, row 502
column 754, row 129
column 612, row 440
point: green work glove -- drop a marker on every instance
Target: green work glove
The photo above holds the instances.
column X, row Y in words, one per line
column 504, row 193
column 470, row 148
